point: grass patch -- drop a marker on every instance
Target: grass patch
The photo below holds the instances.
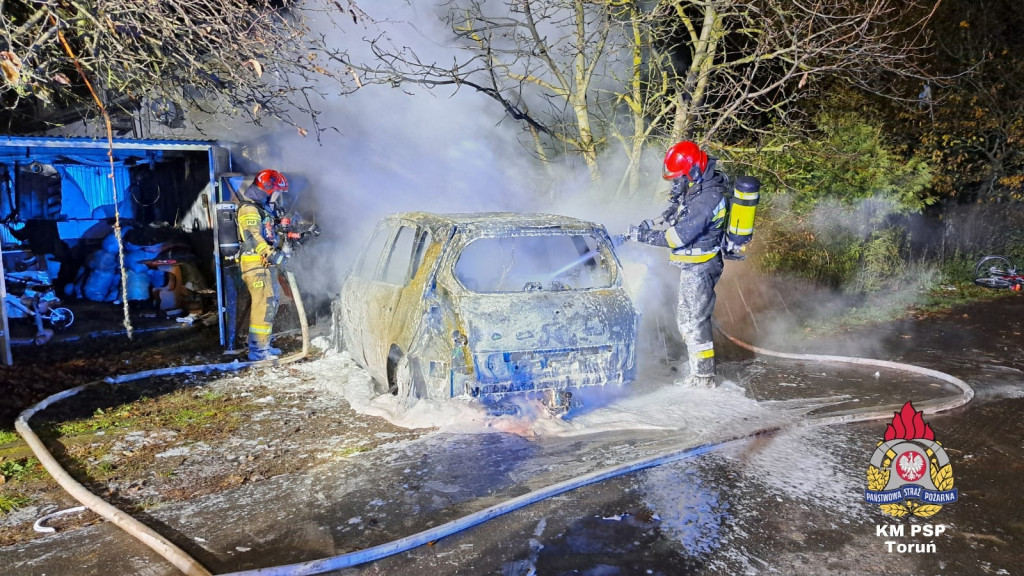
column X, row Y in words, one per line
column 871, row 311
column 9, row 437
column 932, row 292
column 211, row 396
column 193, row 417
column 21, row 470
column 11, row 501
column 104, row 469
column 955, row 285
column 347, row 451
column 943, row 298
column 179, row 410
column 118, row 417
column 193, row 414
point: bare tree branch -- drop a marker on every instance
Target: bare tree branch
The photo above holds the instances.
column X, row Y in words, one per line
column 253, row 58
column 714, row 70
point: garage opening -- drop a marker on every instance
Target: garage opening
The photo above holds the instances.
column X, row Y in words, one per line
column 62, row 264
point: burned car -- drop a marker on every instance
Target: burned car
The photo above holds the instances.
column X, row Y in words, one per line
column 488, row 305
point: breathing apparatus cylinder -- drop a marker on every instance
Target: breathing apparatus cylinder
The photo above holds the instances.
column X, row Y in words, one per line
column 227, row 230
column 743, row 206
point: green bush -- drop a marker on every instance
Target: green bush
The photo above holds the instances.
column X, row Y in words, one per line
column 830, row 259
column 959, row 269
column 828, row 196
column 883, row 263
column 844, row 157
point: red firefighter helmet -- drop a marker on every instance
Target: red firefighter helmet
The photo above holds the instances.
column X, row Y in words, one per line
column 271, row 181
column 685, row 159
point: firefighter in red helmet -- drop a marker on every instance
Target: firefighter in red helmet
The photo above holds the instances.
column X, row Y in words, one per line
column 258, row 259
column 695, row 223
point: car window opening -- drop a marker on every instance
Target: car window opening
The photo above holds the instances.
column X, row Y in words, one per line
column 553, row 262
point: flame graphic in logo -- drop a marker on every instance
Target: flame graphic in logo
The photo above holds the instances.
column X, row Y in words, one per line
column 908, row 424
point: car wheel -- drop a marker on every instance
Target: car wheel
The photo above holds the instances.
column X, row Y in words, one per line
column 403, row 376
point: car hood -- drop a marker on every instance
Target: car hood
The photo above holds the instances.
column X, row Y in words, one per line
column 510, row 322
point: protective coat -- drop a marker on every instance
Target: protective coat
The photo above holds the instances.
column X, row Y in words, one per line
column 696, row 219
column 259, row 276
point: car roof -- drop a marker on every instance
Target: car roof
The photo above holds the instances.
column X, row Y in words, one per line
column 479, row 221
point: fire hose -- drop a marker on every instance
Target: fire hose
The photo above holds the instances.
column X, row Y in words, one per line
column 189, row 566
column 162, row 546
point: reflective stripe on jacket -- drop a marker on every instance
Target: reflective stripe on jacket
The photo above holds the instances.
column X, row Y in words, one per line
column 250, row 232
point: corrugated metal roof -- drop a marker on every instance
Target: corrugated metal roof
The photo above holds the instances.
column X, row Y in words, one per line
column 50, row 142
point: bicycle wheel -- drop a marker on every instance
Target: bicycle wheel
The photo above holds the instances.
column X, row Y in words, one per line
column 61, row 318
column 993, row 267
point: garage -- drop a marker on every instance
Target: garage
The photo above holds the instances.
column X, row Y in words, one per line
column 68, row 276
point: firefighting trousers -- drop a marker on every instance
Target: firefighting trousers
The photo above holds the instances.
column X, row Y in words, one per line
column 693, row 316
column 263, row 290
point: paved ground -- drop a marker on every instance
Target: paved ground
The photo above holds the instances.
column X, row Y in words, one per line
column 791, row 503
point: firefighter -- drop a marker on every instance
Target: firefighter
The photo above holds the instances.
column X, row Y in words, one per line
column 259, row 259
column 696, row 222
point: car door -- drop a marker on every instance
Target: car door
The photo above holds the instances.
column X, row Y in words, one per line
column 393, row 276
column 356, row 301
column 410, row 312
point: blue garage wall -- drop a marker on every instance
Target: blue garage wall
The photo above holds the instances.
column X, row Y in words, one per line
column 86, row 194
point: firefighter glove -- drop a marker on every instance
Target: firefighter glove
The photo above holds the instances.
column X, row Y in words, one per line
column 647, row 235
column 643, row 233
column 671, row 214
column 276, row 258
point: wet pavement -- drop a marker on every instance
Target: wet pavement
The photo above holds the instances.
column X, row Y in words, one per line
column 788, row 503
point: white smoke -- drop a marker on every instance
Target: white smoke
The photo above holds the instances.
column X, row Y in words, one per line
column 396, row 149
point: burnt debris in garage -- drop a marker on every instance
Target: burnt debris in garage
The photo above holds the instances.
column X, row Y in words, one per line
column 62, row 264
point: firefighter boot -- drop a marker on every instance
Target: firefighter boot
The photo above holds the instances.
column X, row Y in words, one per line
column 259, row 349
column 700, row 381
column 272, row 350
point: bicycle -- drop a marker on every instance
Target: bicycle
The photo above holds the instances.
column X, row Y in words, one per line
column 31, row 296
column 998, row 272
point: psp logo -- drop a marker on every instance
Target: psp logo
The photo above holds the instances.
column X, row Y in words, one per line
column 923, row 479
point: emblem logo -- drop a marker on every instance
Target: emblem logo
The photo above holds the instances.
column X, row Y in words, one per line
column 923, row 481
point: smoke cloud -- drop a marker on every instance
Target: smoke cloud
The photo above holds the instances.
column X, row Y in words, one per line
column 397, row 149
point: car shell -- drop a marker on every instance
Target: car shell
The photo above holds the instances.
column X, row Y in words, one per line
column 408, row 315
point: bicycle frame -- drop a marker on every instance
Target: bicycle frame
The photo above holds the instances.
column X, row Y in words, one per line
column 998, row 272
